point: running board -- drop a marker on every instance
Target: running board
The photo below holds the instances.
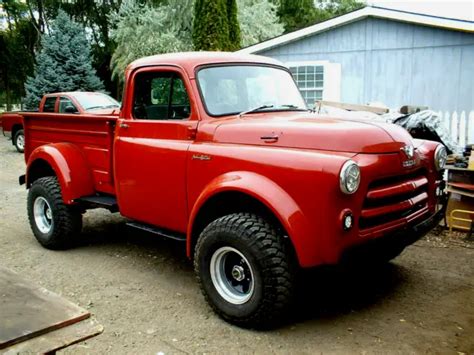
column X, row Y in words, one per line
column 158, row 231
column 99, row 201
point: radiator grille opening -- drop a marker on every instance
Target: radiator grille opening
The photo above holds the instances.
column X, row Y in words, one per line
column 394, row 198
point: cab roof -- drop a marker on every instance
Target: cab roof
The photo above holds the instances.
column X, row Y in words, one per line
column 189, row 61
column 73, row 93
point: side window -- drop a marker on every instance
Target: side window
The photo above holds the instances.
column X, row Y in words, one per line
column 160, row 96
column 49, row 104
column 180, row 107
column 66, row 105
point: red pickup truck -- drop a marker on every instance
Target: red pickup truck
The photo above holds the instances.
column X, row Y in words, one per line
column 219, row 151
column 77, row 102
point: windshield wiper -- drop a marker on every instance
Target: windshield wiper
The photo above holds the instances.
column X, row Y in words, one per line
column 256, row 109
column 93, row 108
column 294, row 107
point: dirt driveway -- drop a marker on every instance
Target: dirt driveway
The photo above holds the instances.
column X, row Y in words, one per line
column 142, row 290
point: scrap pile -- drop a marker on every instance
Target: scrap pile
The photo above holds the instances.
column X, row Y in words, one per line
column 417, row 120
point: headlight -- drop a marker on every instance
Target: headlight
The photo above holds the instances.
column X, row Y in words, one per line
column 440, row 157
column 349, row 178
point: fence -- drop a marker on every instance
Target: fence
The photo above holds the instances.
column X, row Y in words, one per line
column 460, row 125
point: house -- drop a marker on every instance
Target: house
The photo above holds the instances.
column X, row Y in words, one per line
column 382, row 55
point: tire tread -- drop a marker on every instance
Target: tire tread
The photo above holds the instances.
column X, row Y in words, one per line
column 275, row 260
column 68, row 221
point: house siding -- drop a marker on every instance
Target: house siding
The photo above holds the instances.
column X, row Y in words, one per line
column 394, row 63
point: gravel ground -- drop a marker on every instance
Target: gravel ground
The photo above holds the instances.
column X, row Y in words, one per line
column 142, row 290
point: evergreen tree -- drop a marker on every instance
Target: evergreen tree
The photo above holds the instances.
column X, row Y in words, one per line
column 64, row 62
column 234, row 28
column 211, row 29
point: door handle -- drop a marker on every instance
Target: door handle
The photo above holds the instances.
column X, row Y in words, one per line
column 124, row 125
column 270, row 139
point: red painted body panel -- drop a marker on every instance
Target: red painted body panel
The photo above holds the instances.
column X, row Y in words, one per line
column 9, row 120
column 12, row 121
column 91, row 135
column 163, row 172
column 70, row 165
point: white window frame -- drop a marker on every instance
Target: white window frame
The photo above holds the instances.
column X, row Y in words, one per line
column 331, row 89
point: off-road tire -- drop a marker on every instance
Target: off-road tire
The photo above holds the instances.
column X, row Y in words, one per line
column 66, row 220
column 16, row 137
column 268, row 255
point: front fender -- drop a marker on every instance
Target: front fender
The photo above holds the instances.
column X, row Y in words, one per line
column 267, row 192
column 70, row 167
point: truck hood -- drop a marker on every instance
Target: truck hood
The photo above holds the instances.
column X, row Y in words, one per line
column 311, row 131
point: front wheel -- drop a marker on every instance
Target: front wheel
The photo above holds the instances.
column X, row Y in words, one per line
column 54, row 223
column 244, row 269
column 19, row 140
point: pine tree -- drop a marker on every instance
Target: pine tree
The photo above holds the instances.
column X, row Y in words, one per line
column 211, row 29
column 64, row 63
column 234, row 28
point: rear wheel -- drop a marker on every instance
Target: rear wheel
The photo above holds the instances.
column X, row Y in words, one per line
column 19, row 140
column 54, row 223
column 245, row 270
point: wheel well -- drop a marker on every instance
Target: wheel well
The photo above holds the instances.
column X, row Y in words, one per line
column 38, row 169
column 226, row 203
column 15, row 129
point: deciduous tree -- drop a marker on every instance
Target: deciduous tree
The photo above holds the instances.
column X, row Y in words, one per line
column 258, row 21
column 141, row 30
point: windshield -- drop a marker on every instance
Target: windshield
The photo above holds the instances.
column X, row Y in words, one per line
column 91, row 101
column 241, row 88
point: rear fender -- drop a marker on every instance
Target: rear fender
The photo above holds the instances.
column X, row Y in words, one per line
column 259, row 187
column 70, row 166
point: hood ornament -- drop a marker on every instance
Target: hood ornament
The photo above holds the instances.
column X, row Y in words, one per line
column 409, row 151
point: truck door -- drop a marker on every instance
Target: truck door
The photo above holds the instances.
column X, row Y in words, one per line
column 151, row 145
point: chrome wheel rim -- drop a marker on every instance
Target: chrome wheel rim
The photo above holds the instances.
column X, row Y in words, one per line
column 20, row 141
column 43, row 214
column 232, row 275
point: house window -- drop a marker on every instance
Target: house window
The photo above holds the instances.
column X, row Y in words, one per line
column 317, row 80
column 310, row 81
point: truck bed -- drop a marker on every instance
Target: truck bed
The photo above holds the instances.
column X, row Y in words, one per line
column 93, row 134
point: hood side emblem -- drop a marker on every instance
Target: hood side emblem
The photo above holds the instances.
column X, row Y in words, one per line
column 200, row 157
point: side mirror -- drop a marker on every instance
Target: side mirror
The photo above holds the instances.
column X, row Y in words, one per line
column 70, row 109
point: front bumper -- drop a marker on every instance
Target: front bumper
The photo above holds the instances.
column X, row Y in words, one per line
column 395, row 241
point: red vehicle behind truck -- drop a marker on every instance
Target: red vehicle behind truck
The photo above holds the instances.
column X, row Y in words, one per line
column 219, row 151
column 77, row 102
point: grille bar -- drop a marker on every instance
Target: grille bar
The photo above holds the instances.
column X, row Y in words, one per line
column 394, row 201
column 397, row 207
column 397, row 189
